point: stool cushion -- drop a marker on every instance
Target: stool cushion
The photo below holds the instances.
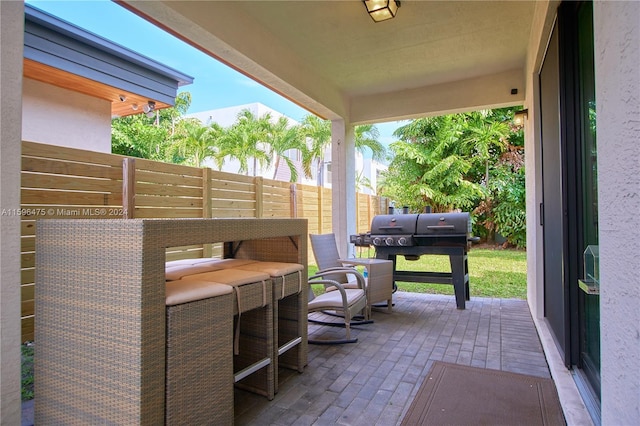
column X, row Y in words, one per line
column 232, row 277
column 183, row 291
column 334, row 299
column 179, row 262
column 228, row 263
column 199, row 260
column 178, row 271
column 274, row 269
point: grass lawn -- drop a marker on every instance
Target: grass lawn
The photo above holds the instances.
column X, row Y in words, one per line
column 27, row 371
column 492, row 273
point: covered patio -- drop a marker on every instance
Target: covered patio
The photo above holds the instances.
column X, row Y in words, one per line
column 434, row 58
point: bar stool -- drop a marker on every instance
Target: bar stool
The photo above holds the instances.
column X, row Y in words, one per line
column 289, row 313
column 199, row 357
column 253, row 336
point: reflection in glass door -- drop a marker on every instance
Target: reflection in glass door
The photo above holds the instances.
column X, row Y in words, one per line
column 589, row 306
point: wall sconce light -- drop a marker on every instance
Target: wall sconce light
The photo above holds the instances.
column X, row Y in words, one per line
column 519, row 116
column 134, row 107
column 149, row 108
column 381, row 10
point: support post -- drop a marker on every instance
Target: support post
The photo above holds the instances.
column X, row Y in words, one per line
column 259, row 184
column 128, row 188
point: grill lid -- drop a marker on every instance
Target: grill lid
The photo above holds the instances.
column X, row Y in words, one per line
column 391, row 224
column 442, row 224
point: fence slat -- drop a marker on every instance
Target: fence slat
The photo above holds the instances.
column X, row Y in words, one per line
column 69, row 183
column 72, row 198
column 34, row 149
column 49, row 166
column 168, row 178
column 174, row 191
column 167, row 201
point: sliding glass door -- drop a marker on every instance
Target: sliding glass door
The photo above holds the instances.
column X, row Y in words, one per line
column 569, row 211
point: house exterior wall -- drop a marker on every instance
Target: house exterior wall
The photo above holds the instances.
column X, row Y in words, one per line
column 58, row 116
column 11, row 40
column 617, row 59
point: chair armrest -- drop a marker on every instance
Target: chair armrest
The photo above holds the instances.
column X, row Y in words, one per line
column 332, row 283
column 345, row 270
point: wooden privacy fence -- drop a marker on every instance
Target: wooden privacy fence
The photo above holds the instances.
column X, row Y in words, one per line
column 68, row 183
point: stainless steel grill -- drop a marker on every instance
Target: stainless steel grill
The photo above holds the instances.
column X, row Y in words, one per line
column 414, row 235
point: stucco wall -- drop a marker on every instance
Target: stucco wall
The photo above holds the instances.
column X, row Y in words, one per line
column 617, row 59
column 57, row 116
column 11, row 40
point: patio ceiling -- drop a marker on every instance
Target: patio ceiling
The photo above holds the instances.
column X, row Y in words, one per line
column 329, row 57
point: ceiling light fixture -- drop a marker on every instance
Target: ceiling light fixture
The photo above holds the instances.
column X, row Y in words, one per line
column 149, row 108
column 381, row 10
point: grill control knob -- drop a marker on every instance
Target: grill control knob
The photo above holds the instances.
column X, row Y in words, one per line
column 389, row 241
column 402, row 241
column 376, row 241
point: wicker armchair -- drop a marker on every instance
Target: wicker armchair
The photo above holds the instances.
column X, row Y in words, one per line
column 348, row 302
column 325, row 251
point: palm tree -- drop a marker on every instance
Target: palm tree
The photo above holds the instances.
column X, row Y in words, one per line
column 366, row 136
column 195, row 143
column 282, row 137
column 319, row 133
column 242, row 141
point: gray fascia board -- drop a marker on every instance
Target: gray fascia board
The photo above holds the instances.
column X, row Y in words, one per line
column 104, row 70
column 158, row 93
column 57, row 43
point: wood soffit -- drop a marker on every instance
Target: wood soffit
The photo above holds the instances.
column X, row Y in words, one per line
column 56, row 77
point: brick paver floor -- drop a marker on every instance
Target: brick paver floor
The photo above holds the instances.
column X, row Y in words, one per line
column 373, row 381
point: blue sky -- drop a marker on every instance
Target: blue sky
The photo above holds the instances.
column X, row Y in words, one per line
column 215, row 85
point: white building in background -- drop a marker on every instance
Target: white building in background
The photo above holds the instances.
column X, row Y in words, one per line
column 226, row 117
column 229, row 115
column 367, row 170
column 367, row 173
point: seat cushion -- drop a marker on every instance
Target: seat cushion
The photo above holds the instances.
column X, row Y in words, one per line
column 228, row 263
column 180, row 262
column 179, row 291
column 274, row 269
column 177, row 272
column 333, row 299
column 232, row 277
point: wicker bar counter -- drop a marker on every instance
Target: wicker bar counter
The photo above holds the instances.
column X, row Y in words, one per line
column 100, row 310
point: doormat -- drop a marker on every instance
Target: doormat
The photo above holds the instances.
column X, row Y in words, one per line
column 453, row 394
